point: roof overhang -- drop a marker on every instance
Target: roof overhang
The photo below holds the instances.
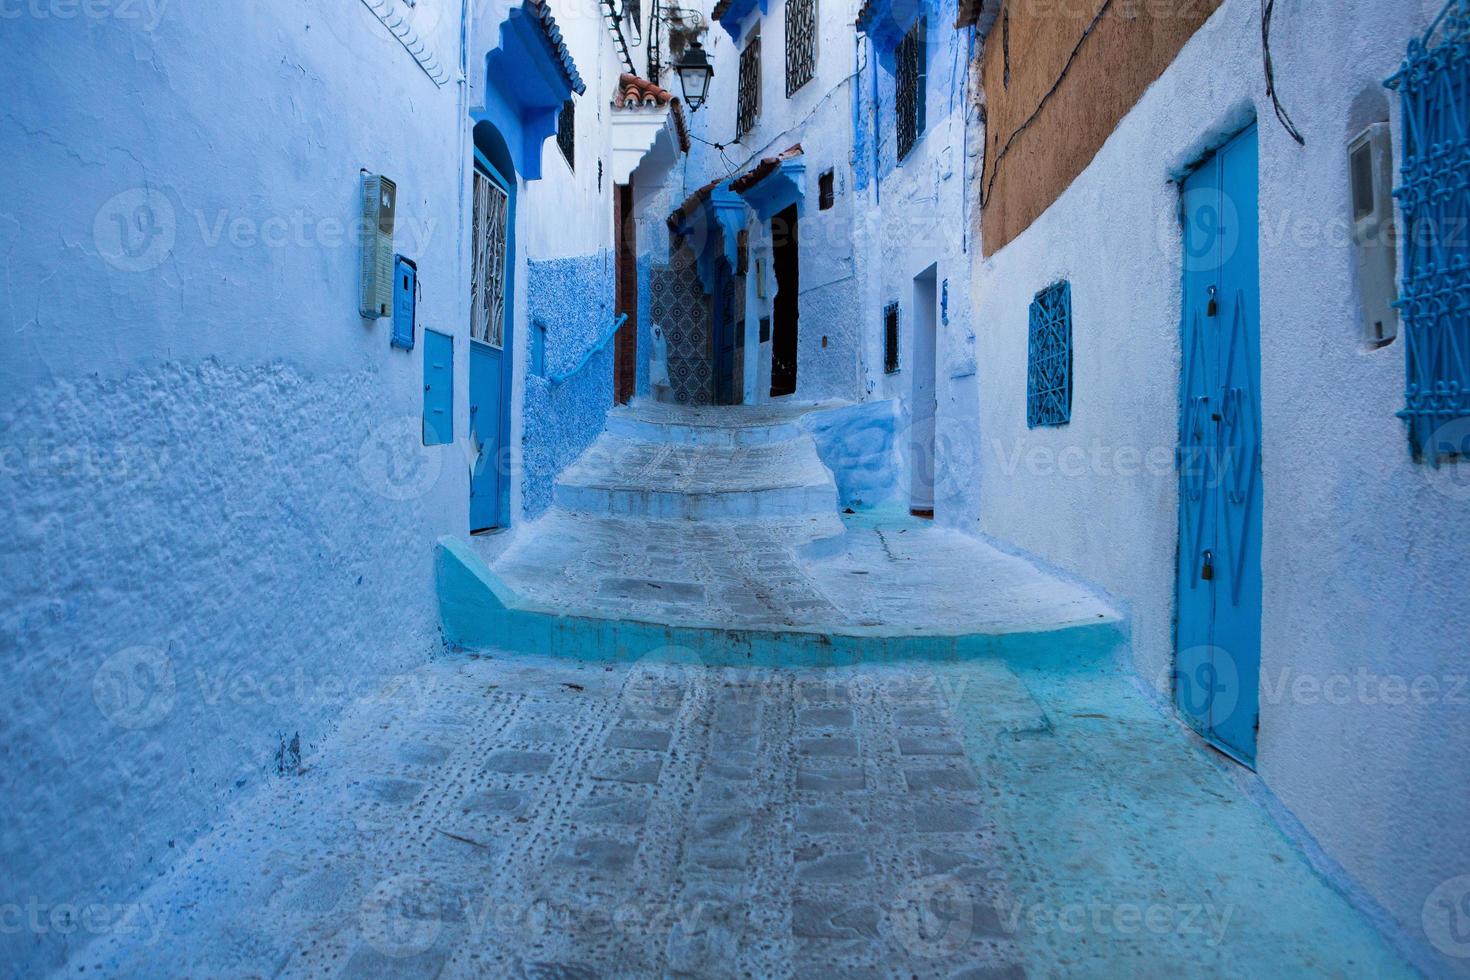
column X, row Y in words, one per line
column 774, row 184
column 885, row 22
column 712, row 219
column 533, row 73
column 732, row 13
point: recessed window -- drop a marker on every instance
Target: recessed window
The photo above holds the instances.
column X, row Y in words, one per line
column 890, row 339
column 748, row 94
column 801, row 43
column 1436, row 249
column 825, row 193
column 1049, row 357
column 908, row 93
column 566, row 132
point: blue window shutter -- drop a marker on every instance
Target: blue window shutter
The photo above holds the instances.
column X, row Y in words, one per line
column 1049, row 357
column 405, row 301
column 438, row 388
column 1434, row 197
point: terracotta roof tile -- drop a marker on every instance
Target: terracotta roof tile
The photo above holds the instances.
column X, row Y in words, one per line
column 634, row 92
column 638, row 93
column 551, row 34
column 681, row 124
column 691, row 203
column 764, row 169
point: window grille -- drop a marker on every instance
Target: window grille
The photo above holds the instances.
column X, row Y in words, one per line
column 1435, row 199
column 487, row 285
column 801, row 43
column 748, row 98
column 566, row 132
column 1049, row 358
column 890, row 339
column 908, row 93
column 825, row 194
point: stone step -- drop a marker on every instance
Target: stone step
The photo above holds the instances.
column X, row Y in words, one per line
column 633, row 477
column 723, row 425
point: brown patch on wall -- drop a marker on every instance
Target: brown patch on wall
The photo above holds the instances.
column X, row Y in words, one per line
column 1026, row 52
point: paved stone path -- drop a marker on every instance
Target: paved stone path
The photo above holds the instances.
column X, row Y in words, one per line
column 524, row 817
column 877, row 571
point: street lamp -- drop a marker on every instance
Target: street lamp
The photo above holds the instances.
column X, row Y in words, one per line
column 695, row 72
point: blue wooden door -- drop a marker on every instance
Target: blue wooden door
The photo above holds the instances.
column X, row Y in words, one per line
column 1217, row 669
column 491, row 308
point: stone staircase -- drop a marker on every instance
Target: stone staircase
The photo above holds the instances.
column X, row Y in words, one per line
column 639, row 468
column 715, row 534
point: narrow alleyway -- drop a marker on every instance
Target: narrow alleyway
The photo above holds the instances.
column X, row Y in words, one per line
column 643, row 813
column 515, row 816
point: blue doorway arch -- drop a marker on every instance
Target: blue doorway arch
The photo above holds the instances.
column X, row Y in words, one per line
column 492, row 316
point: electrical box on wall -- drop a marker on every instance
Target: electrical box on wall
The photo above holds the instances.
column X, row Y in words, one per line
column 1370, row 171
column 405, row 302
column 379, row 202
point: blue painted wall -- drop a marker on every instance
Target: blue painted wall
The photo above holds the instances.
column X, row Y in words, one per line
column 875, row 146
column 572, row 299
column 219, row 505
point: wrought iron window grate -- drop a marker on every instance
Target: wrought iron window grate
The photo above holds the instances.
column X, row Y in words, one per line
column 890, row 339
column 566, row 132
column 908, row 93
column 801, row 43
column 1049, row 357
column 1434, row 196
column 487, row 285
column 748, row 97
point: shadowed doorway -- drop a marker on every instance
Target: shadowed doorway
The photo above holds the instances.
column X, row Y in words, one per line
column 784, row 261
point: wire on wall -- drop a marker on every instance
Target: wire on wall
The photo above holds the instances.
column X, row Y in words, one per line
column 1268, row 7
column 1071, row 59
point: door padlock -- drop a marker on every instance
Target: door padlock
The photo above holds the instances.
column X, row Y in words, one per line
column 1213, row 308
column 1207, row 572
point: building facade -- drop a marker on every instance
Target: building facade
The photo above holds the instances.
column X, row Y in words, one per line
column 1108, row 283
column 222, row 476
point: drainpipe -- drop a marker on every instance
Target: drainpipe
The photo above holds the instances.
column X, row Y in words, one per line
column 462, row 125
column 873, row 80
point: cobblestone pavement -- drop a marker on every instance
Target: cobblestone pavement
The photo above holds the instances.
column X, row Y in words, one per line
column 523, row 817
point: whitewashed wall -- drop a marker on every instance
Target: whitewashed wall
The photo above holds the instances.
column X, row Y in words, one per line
column 819, row 117
column 1364, row 550
column 219, row 514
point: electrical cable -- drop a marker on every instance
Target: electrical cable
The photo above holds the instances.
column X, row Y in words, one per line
column 1268, row 7
column 1071, row 58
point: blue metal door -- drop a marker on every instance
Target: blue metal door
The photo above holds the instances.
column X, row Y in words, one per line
column 1217, row 668
column 486, row 400
column 491, row 306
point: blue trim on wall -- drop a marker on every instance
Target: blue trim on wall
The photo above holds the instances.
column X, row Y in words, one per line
column 531, row 82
